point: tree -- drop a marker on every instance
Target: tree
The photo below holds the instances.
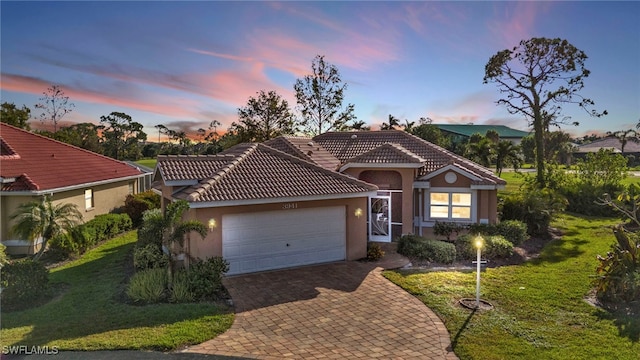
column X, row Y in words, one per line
column 432, row 134
column 44, row 220
column 54, row 105
column 10, row 114
column 480, row 151
column 393, row 123
column 528, row 146
column 492, row 135
column 356, row 125
column 537, row 77
column 624, row 136
column 265, row 117
column 172, row 229
column 506, row 153
column 557, row 147
column 121, row 136
column 82, row 135
column 319, row 97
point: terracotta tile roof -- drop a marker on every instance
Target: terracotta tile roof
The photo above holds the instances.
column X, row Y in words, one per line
column 191, row 167
column 348, row 145
column 259, row 172
column 305, row 148
column 39, row 163
column 387, row 154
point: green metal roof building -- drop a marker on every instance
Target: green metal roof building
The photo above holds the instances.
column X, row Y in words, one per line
column 462, row 132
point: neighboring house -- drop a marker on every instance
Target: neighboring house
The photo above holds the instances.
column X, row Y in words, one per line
column 462, row 133
column 609, row 143
column 33, row 166
column 295, row 201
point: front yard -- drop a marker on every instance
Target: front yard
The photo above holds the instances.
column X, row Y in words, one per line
column 542, row 308
column 89, row 313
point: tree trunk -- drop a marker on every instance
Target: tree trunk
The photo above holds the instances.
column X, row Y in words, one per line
column 538, row 129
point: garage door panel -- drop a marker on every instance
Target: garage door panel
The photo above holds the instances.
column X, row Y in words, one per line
column 258, row 241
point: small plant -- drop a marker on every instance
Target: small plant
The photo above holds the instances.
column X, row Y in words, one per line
column 514, row 231
column 23, row 284
column 618, row 274
column 374, row 252
column 149, row 256
column 148, row 286
column 205, row 277
column 180, row 291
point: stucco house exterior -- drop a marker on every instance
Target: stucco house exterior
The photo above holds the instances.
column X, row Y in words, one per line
column 296, row 201
column 33, row 166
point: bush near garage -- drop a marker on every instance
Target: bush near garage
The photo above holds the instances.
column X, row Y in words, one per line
column 426, row 249
column 136, row 204
column 149, row 256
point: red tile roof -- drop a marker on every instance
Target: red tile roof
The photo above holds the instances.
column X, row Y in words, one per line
column 349, row 145
column 39, row 163
column 257, row 172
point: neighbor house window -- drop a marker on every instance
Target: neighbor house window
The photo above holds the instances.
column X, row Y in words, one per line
column 131, row 187
column 88, row 199
column 450, row 206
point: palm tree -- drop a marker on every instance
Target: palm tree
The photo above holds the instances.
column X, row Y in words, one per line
column 44, row 220
column 480, row 151
column 506, row 153
column 392, row 124
column 172, row 229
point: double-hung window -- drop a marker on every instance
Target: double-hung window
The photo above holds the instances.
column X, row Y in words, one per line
column 450, row 206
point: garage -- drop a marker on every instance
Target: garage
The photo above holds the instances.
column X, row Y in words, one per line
column 286, row 238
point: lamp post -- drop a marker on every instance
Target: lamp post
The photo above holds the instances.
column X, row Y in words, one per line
column 479, row 242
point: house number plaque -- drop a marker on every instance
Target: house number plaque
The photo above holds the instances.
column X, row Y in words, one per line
column 289, row 206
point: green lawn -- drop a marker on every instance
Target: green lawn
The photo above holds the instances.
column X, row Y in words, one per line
column 540, row 311
column 150, row 163
column 89, row 315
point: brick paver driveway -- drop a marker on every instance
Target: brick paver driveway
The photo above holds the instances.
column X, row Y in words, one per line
column 344, row 310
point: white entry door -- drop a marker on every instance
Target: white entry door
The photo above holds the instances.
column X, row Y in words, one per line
column 279, row 239
column 380, row 218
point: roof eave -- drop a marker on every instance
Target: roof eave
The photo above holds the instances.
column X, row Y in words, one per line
column 210, row 204
column 71, row 187
column 380, row 165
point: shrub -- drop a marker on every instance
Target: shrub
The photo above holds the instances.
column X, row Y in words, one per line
column 618, row 274
column 3, row 255
column 136, row 205
column 151, row 230
column 149, row 256
column 107, row 226
column 205, row 277
column 495, row 247
column 23, row 283
column 148, row 286
column 535, row 207
column 374, row 252
column 180, row 291
column 515, row 231
column 426, row 249
column 446, row 229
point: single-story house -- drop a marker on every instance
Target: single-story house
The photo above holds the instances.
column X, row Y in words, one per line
column 295, row 201
column 462, row 132
column 33, row 166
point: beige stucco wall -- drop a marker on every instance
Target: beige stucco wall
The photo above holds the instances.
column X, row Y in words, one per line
column 212, row 244
column 408, row 175
column 106, row 197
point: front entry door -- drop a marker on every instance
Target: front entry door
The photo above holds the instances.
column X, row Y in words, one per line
column 380, row 218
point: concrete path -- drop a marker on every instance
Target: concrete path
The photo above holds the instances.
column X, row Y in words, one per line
column 344, row 310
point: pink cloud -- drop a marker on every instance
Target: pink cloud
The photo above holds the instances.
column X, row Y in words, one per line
column 159, row 105
column 515, row 21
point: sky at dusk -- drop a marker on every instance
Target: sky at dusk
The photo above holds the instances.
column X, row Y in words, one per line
column 184, row 64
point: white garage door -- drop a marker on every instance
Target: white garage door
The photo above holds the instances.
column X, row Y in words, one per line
column 280, row 239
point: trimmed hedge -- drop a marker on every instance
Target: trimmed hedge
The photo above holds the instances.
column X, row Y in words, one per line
column 427, row 249
column 136, row 205
column 495, row 247
column 23, row 284
column 82, row 237
column 513, row 230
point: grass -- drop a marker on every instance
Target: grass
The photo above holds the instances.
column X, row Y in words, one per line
column 89, row 315
column 150, row 163
column 540, row 311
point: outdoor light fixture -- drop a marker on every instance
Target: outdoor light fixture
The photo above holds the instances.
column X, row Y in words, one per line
column 358, row 212
column 478, row 242
column 212, row 224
